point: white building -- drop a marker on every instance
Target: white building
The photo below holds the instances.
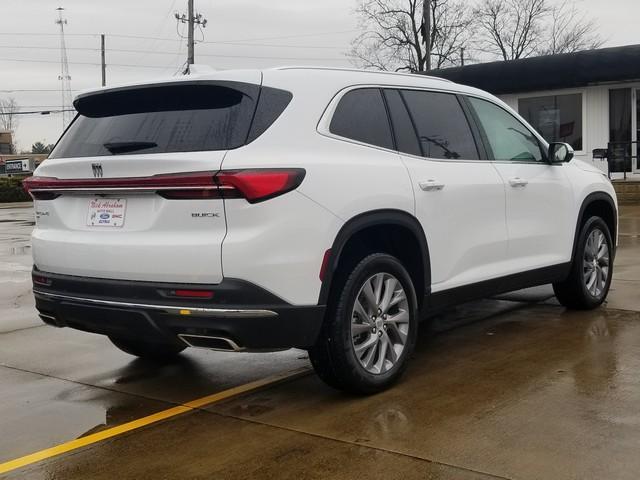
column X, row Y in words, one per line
column 589, row 99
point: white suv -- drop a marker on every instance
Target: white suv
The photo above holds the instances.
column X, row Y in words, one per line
column 324, row 209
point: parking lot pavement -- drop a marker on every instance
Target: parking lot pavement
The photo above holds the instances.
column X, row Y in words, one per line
column 16, row 300
column 625, row 288
column 512, row 387
column 59, row 384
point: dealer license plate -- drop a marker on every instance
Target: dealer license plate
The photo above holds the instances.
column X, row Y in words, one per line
column 106, row 212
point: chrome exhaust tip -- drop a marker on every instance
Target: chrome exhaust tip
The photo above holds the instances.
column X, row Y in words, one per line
column 210, row 343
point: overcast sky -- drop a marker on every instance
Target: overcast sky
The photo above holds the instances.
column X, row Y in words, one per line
column 256, row 34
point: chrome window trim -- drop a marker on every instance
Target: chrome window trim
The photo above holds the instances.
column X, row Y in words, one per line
column 325, row 121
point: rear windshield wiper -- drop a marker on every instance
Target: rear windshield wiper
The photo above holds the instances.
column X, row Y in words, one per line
column 126, row 147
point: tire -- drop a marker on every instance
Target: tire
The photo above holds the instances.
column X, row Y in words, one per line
column 384, row 345
column 148, row 350
column 578, row 291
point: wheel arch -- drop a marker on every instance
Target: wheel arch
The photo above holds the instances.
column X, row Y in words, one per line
column 600, row 204
column 353, row 235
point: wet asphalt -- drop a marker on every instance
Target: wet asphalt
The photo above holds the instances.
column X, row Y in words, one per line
column 512, row 387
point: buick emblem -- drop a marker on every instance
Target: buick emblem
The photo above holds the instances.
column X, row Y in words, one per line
column 97, row 170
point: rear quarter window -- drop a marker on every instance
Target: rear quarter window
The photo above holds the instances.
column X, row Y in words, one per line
column 361, row 115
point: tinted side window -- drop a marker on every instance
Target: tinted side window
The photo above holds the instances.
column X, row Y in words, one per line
column 271, row 104
column 508, row 138
column 442, row 126
column 361, row 115
column 405, row 133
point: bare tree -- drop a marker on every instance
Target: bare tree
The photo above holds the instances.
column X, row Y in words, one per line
column 393, row 34
column 8, row 117
column 570, row 31
column 513, row 29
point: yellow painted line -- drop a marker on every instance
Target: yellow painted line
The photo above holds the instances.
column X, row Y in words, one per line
column 149, row 420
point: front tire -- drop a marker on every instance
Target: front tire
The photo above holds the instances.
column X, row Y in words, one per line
column 591, row 270
column 148, row 350
column 370, row 330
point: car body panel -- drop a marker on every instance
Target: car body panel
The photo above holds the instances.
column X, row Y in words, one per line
column 478, row 228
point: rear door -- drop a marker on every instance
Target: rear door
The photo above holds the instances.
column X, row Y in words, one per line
column 130, row 191
column 459, row 197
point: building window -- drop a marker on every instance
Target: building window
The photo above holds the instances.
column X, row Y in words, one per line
column 558, row 118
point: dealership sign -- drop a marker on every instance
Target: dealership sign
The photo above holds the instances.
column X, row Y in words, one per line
column 24, row 165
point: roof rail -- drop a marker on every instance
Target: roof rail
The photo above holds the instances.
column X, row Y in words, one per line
column 343, row 69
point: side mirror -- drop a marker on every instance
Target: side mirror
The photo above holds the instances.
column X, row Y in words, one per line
column 560, row 152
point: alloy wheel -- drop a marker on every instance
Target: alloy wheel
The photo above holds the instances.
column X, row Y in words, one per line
column 595, row 263
column 380, row 323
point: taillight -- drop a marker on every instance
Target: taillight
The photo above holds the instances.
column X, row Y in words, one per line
column 177, row 181
column 260, row 184
column 253, row 185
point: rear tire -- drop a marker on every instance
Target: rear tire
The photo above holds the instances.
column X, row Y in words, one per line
column 370, row 329
column 591, row 270
column 148, row 350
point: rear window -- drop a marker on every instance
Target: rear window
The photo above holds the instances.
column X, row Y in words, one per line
column 170, row 118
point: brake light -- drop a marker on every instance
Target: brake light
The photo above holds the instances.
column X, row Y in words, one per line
column 178, row 181
column 259, row 185
column 253, row 185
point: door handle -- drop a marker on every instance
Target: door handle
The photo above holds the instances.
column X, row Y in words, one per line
column 431, row 185
column 518, row 182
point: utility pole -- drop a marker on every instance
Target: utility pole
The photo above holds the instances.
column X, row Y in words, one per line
column 102, row 62
column 426, row 32
column 191, row 19
column 64, row 77
column 190, row 54
column 462, row 56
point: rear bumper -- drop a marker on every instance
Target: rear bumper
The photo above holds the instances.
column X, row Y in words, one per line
column 247, row 317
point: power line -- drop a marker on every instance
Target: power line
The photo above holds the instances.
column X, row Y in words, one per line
column 167, row 39
column 268, row 45
column 44, row 112
column 14, row 90
column 40, row 34
column 42, row 47
column 37, row 106
column 214, row 55
column 255, row 39
column 80, row 63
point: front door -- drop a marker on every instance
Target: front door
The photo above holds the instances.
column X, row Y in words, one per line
column 459, row 198
column 539, row 198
